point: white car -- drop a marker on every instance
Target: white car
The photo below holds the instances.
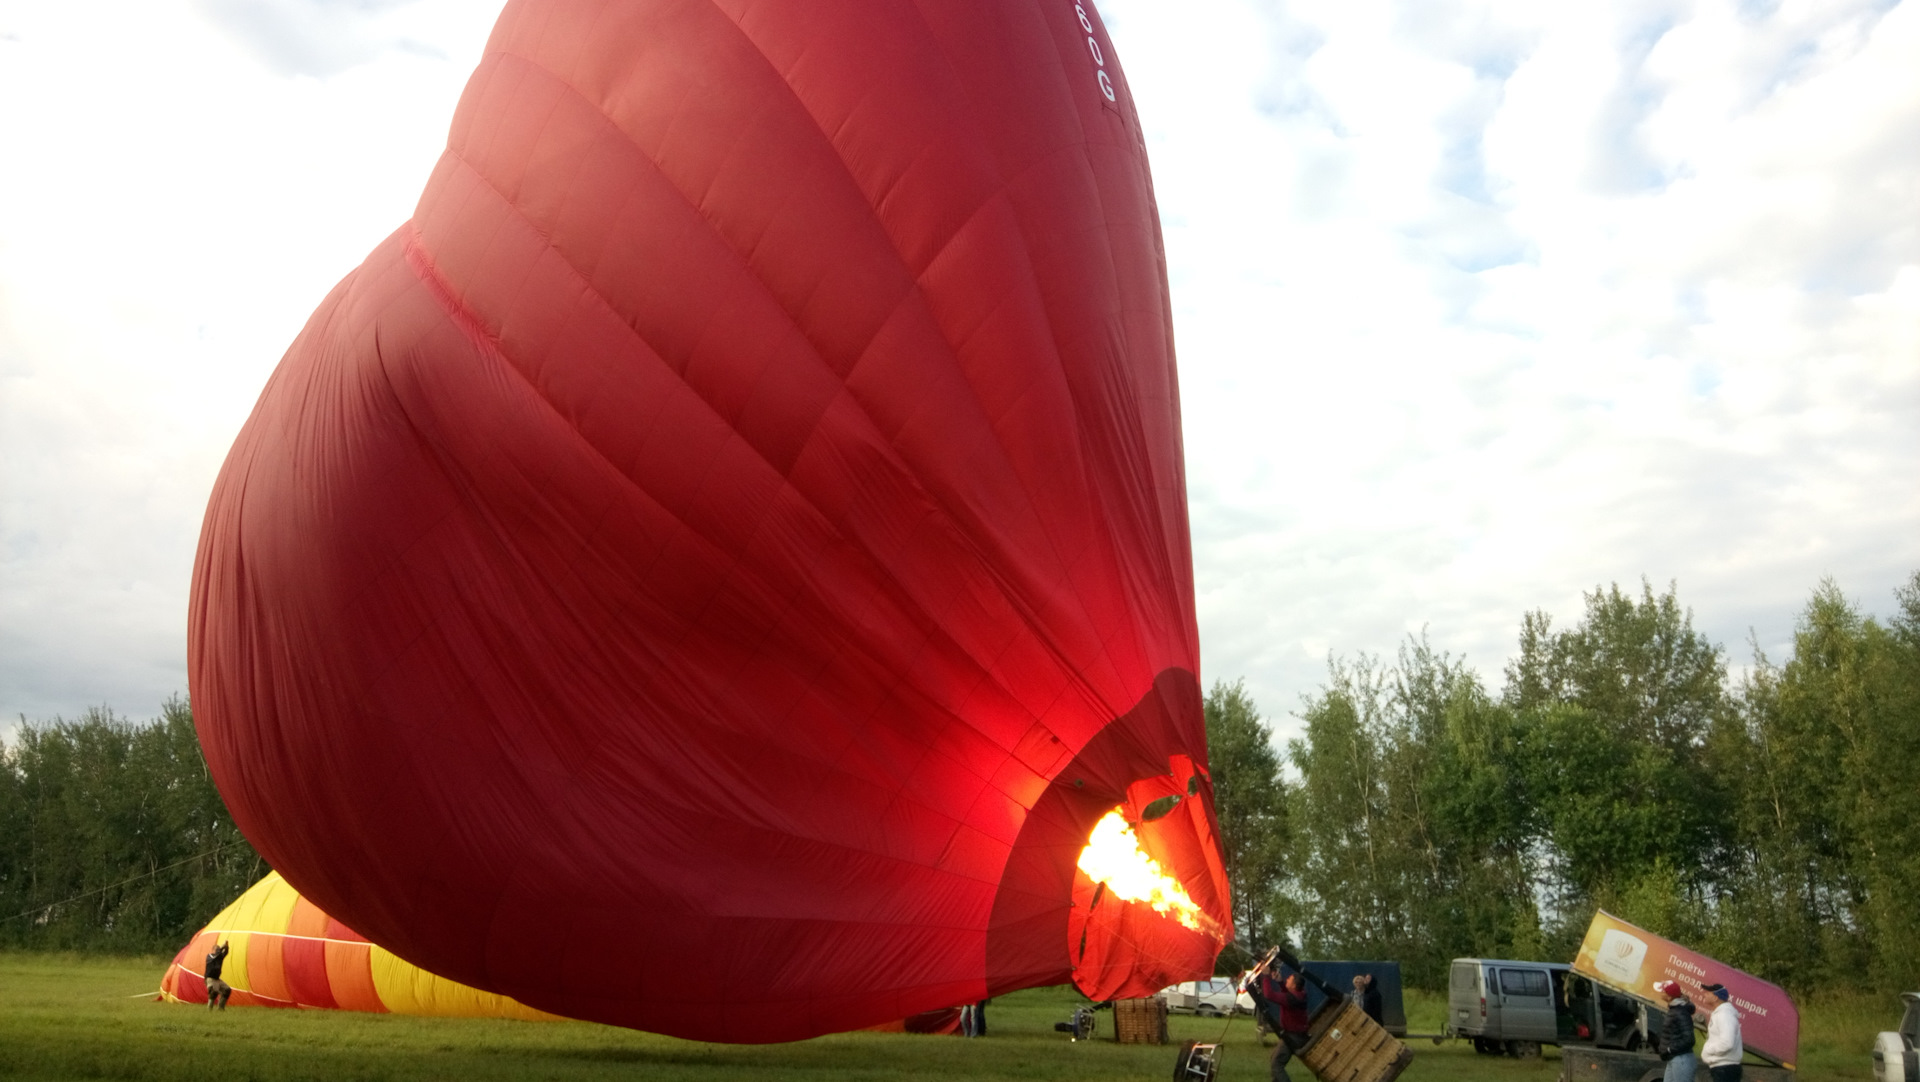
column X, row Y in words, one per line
column 1895, row 1058
column 1215, row 997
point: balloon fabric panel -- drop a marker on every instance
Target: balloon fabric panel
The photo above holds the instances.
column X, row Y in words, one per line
column 734, row 534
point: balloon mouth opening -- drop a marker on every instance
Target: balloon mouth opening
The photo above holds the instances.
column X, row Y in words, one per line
column 1146, row 909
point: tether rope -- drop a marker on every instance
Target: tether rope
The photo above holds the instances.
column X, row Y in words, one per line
column 49, row 906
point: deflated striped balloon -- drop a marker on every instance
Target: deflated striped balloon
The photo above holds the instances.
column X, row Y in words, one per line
column 285, row 952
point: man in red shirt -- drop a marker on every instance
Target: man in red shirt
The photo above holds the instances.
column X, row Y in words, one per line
column 1285, row 1008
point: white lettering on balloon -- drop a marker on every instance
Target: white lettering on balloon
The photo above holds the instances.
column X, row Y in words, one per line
column 1099, row 58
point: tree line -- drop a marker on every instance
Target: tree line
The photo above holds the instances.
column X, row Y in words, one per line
column 113, row 837
column 1771, row 820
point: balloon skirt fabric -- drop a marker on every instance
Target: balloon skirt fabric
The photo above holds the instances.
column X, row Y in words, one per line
column 732, row 540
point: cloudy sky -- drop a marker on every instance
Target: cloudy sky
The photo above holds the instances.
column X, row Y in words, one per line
column 1479, row 305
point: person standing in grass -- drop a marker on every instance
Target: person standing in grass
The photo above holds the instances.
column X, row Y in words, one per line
column 1723, row 1049
column 217, row 989
column 1676, row 1036
column 1368, row 996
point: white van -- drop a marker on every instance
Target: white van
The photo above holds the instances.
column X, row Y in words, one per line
column 1217, row 996
column 1504, row 1006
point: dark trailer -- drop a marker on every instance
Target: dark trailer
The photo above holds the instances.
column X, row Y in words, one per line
column 1340, row 974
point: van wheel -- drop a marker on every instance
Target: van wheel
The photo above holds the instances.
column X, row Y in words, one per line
column 1523, row 1049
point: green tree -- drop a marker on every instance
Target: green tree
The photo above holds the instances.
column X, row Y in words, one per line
column 1617, row 712
column 1637, row 667
column 15, row 833
column 1250, row 801
column 1766, row 920
column 1775, row 823
column 1474, row 820
column 1893, row 815
column 1613, row 814
column 118, row 838
column 1346, row 902
column 1822, row 872
column 1412, row 826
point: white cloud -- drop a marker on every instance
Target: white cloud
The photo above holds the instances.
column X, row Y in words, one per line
column 1485, row 306
column 180, row 212
column 326, row 37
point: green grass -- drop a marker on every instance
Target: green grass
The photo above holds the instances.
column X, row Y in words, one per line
column 72, row 1017
column 1837, row 1032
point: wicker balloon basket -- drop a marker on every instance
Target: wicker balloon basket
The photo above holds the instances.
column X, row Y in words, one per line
column 1347, row 1046
column 1140, row 1021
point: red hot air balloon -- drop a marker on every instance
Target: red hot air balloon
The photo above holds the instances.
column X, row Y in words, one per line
column 731, row 542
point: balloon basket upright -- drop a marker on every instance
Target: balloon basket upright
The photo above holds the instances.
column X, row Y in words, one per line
column 1140, row 1021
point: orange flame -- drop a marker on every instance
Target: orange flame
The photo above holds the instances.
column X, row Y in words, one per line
column 1113, row 856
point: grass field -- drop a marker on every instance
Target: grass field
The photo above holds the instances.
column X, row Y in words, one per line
column 65, row 1017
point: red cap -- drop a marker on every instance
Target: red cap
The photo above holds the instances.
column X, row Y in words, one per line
column 1670, row 989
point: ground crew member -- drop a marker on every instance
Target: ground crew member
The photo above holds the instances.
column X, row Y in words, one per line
column 1676, row 1036
column 217, row 989
column 1723, row 1049
column 1287, row 1015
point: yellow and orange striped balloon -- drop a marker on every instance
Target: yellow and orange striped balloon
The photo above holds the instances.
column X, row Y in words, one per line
column 287, row 953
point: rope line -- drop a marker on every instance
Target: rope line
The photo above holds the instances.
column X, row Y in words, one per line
column 110, row 886
column 284, row 935
column 235, row 987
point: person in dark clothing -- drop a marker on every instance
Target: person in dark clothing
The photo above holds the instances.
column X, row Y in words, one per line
column 217, row 989
column 1265, row 1020
column 1676, row 1036
column 1368, row 996
column 1255, row 986
column 1285, row 1006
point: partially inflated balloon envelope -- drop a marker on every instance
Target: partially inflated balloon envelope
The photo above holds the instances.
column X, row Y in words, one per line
column 730, row 545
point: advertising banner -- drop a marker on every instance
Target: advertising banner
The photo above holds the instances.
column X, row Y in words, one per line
column 1633, row 960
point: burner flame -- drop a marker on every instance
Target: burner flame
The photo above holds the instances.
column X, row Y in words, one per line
column 1113, row 856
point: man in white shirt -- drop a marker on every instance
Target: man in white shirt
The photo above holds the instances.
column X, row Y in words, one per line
column 1723, row 1050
